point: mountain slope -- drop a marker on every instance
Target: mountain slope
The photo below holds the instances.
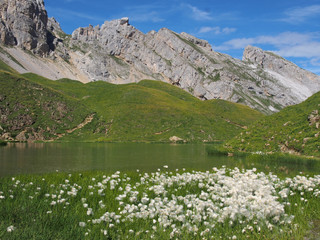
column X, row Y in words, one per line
column 117, row 52
column 153, row 111
column 30, row 111
column 295, row 129
column 35, row 108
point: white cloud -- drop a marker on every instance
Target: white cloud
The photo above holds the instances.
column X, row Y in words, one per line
column 299, row 15
column 216, row 30
column 315, row 61
column 308, row 50
column 237, row 43
column 290, row 44
column 198, row 14
column 228, row 30
column 287, row 44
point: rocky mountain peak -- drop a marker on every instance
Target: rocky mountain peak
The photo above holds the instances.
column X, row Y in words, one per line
column 302, row 82
column 112, row 36
column 119, row 53
column 264, row 59
column 124, row 20
column 54, row 26
column 196, row 41
column 24, row 24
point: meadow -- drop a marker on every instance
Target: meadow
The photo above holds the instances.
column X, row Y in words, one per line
column 295, row 130
column 36, row 108
column 166, row 204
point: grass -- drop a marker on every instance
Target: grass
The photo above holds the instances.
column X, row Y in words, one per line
column 148, row 111
column 98, row 205
column 36, row 110
column 289, row 130
column 5, row 67
column 283, row 164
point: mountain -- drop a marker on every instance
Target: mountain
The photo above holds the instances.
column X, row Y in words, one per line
column 35, row 108
column 117, row 52
column 295, row 129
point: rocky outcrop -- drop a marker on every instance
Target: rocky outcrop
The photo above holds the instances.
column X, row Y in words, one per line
column 314, row 119
column 117, row 52
column 23, row 23
column 302, row 83
column 175, row 139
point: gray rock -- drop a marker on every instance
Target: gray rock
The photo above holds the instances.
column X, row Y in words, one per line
column 24, row 23
column 124, row 20
column 196, row 41
column 301, row 82
column 54, row 27
column 117, row 52
column 127, row 55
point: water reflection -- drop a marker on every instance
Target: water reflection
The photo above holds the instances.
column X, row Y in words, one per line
column 24, row 158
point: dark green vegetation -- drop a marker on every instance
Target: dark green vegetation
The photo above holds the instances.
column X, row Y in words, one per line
column 67, row 110
column 295, row 129
column 30, row 111
column 283, row 164
column 3, row 143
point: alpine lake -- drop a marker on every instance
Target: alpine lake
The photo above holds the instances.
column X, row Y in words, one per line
column 39, row 158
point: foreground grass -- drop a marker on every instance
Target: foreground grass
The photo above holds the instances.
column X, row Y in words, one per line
column 222, row 203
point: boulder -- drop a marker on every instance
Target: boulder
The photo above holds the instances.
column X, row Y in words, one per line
column 175, row 139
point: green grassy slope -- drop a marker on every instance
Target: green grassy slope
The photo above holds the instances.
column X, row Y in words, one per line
column 295, row 129
column 32, row 111
column 146, row 111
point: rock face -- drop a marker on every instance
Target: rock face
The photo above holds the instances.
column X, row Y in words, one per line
column 302, row 83
column 119, row 53
column 24, row 24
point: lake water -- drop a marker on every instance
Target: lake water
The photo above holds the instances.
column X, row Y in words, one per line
column 25, row 158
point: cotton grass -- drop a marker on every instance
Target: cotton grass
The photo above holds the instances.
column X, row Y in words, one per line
column 221, row 203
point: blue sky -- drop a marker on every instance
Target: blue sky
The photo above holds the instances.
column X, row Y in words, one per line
column 291, row 28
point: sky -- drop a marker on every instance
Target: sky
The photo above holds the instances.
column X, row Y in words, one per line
column 290, row 28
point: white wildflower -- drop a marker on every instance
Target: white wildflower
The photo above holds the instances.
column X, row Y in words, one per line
column 10, row 228
column 89, row 211
column 82, row 224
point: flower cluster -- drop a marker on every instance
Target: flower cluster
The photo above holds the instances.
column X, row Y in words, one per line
column 176, row 203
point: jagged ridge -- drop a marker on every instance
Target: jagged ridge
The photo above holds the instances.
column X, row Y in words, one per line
column 117, row 52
